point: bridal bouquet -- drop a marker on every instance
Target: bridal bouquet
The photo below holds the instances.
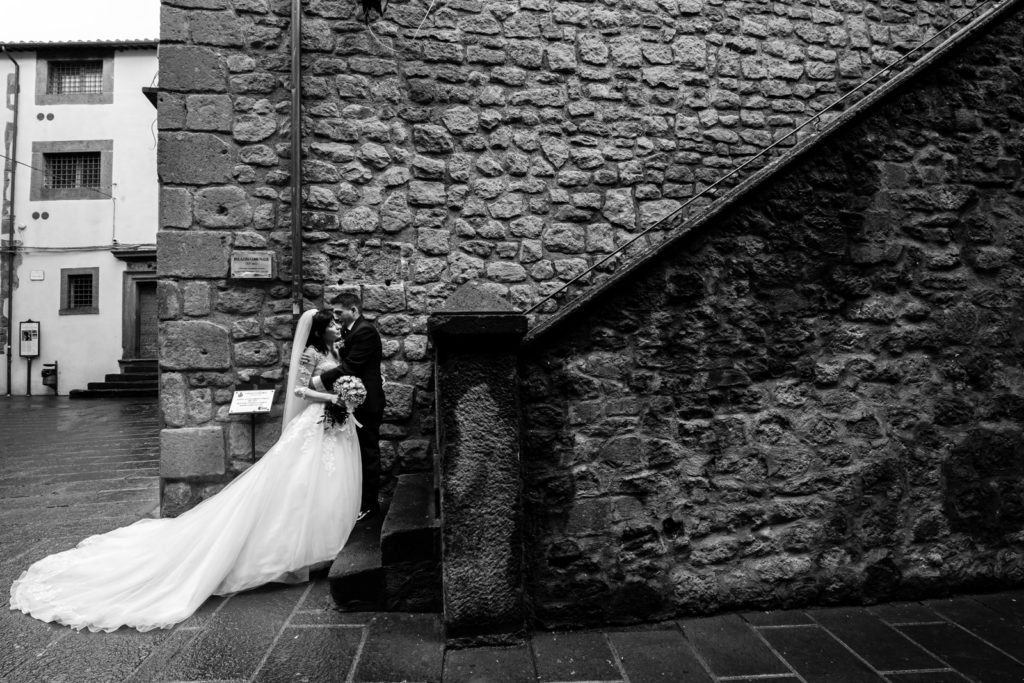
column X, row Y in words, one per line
column 352, row 393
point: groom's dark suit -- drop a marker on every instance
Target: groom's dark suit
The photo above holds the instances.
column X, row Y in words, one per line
column 361, row 356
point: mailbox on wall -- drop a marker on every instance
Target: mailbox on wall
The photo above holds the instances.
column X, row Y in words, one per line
column 28, row 338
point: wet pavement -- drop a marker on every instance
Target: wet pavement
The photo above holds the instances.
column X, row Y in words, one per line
column 69, row 469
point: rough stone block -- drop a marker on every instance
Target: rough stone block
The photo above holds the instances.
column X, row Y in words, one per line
column 168, row 297
column 256, row 353
column 220, row 29
column 196, row 296
column 194, row 345
column 191, row 452
column 172, row 399
column 208, row 112
column 195, row 159
column 192, row 254
column 175, row 207
column 399, row 399
column 187, row 68
column 223, row 207
column 170, row 108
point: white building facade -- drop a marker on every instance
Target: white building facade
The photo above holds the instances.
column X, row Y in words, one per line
column 80, row 210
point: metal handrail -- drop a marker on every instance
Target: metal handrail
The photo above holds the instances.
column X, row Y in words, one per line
column 816, row 118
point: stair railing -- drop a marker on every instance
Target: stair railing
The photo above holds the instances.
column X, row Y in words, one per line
column 992, row 10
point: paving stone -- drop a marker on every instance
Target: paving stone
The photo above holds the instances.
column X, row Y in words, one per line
column 24, row 638
column 965, row 653
column 402, row 647
column 904, row 613
column 86, row 656
column 202, row 616
column 816, row 656
column 731, row 647
column 319, row 595
column 773, row 679
column 928, row 677
column 332, row 617
column 652, row 656
column 151, row 669
column 319, row 653
column 878, row 643
column 1007, row 634
column 235, row 641
column 777, row 618
column 489, row 665
column 1010, row 605
column 574, row 657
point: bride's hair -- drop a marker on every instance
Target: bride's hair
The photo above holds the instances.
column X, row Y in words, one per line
column 321, row 321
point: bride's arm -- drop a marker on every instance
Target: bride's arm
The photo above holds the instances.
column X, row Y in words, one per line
column 306, row 367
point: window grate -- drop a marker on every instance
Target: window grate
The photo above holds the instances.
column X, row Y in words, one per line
column 81, row 76
column 80, row 291
column 79, row 169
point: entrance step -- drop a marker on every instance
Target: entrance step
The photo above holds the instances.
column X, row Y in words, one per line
column 356, row 577
column 131, row 379
column 138, row 377
column 392, row 562
column 146, row 366
column 410, row 543
column 111, row 393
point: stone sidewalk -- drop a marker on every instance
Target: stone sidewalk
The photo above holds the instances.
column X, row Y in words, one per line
column 69, row 469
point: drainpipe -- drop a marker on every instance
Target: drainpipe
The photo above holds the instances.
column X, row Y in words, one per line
column 14, row 198
column 296, row 157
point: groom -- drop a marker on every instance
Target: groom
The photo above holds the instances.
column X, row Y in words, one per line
column 360, row 352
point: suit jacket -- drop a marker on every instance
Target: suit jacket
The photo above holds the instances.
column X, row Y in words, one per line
column 361, row 354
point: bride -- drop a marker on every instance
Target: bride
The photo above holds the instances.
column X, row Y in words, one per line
column 291, row 510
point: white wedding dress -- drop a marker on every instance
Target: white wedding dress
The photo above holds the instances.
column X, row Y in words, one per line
column 292, row 509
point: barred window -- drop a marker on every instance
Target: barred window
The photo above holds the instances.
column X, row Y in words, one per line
column 80, row 291
column 78, row 169
column 73, row 77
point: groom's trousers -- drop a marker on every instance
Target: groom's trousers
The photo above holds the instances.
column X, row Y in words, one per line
column 369, row 451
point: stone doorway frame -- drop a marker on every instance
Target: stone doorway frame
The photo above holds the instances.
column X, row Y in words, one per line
column 130, row 311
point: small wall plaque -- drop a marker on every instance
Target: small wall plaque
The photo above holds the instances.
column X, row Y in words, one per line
column 252, row 265
column 251, row 401
column 37, row 275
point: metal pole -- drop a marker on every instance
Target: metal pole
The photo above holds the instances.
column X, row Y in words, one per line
column 296, row 132
column 11, row 252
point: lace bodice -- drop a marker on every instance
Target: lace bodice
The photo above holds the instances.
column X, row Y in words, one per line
column 312, row 365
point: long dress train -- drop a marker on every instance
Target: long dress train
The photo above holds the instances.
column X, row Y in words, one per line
column 292, row 509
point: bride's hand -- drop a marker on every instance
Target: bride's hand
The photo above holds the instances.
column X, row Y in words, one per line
column 300, row 392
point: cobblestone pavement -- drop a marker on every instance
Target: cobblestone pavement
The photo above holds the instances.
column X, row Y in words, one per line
column 69, row 469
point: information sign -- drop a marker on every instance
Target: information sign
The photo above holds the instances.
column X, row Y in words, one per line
column 28, row 336
column 251, row 401
column 254, row 265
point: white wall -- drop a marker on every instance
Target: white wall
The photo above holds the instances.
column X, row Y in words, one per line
column 87, row 346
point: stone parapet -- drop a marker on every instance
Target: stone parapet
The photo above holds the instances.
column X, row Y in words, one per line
column 477, row 338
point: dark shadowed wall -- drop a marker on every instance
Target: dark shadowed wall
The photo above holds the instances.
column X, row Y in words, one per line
column 817, row 399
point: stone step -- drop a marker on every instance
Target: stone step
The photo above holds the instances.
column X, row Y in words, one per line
column 112, row 393
column 411, row 531
column 132, row 377
column 146, row 384
column 356, row 576
column 143, row 365
column 411, row 547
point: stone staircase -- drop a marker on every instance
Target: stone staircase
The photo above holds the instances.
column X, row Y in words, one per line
column 138, row 377
column 392, row 561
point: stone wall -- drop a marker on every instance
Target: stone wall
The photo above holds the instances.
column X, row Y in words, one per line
column 817, row 399
column 511, row 143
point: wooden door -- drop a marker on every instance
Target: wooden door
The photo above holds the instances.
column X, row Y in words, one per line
column 146, row 321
